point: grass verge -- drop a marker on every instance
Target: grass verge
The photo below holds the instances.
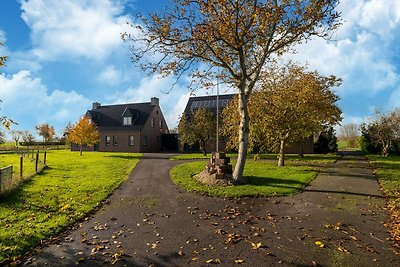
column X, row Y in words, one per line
column 265, row 179
column 63, row 193
column 387, row 170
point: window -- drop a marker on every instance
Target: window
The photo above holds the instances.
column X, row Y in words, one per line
column 115, row 140
column 127, row 120
column 144, row 140
column 161, row 124
column 107, row 140
column 131, row 140
column 153, row 122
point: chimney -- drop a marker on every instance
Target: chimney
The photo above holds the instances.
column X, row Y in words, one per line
column 95, row 105
column 155, row 101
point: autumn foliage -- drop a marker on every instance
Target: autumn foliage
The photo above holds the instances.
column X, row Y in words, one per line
column 290, row 105
column 84, row 133
column 231, row 40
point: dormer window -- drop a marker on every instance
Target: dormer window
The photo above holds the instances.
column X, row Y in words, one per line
column 127, row 120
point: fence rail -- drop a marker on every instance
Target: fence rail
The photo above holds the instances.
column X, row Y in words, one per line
column 30, row 163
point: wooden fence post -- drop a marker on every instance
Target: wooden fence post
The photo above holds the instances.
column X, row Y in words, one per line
column 21, row 164
column 44, row 159
column 37, row 161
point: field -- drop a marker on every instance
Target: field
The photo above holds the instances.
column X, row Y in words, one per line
column 68, row 189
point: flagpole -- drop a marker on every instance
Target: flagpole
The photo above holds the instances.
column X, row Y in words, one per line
column 217, row 116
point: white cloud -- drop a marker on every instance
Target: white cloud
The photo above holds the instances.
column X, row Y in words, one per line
column 111, row 76
column 28, row 101
column 65, row 29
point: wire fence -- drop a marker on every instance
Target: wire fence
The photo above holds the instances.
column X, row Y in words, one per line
column 29, row 163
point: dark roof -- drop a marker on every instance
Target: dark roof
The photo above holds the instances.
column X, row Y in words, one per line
column 111, row 117
column 208, row 102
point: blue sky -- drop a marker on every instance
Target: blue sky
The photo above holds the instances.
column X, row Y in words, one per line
column 66, row 54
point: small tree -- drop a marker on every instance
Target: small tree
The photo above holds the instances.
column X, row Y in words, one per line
column 84, row 133
column 27, row 137
column 200, row 127
column 327, row 142
column 16, row 136
column 349, row 133
column 46, row 131
column 383, row 131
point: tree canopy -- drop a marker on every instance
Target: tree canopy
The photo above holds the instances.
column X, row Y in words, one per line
column 231, row 40
column 84, row 133
column 46, row 131
column 383, row 132
column 290, row 105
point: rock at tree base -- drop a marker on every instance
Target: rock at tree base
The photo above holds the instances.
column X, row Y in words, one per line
column 218, row 171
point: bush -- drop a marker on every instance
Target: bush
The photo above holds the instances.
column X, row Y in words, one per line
column 327, row 142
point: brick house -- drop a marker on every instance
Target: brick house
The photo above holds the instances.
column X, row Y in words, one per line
column 136, row 127
column 210, row 102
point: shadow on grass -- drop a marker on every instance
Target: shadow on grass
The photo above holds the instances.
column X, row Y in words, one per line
column 130, row 157
column 275, row 182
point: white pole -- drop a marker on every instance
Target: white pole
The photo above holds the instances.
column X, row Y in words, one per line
column 217, row 116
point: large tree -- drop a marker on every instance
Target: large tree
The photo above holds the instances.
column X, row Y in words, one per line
column 231, row 40
column 3, row 59
column 84, row 133
column 200, row 127
column 290, row 105
column 3, row 119
column 46, row 131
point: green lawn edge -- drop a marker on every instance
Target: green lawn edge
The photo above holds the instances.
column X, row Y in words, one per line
column 65, row 192
column 264, row 180
column 312, row 158
column 387, row 170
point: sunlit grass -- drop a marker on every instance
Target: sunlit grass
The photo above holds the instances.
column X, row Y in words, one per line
column 64, row 192
column 387, row 170
column 264, row 179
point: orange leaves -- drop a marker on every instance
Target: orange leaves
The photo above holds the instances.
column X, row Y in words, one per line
column 84, row 132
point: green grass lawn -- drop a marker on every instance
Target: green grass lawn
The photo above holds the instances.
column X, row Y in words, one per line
column 313, row 158
column 63, row 193
column 387, row 170
column 264, row 179
column 10, row 158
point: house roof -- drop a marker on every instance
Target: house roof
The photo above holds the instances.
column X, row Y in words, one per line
column 208, row 102
column 110, row 118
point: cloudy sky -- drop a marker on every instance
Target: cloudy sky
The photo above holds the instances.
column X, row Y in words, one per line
column 66, row 54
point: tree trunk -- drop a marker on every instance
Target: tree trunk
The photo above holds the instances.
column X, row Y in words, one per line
column 301, row 148
column 80, row 150
column 243, row 139
column 281, row 160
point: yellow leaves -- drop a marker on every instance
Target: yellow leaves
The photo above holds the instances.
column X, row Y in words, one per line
column 320, row 244
column 65, row 207
column 257, row 245
column 213, row 261
column 239, row 261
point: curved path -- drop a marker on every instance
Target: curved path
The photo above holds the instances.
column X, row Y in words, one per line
column 149, row 222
